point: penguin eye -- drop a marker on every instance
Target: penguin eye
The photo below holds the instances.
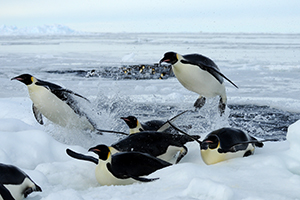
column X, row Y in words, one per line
column 212, row 141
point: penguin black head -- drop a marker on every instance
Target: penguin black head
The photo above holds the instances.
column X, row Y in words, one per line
column 169, row 57
column 102, row 151
column 27, row 79
column 131, row 121
column 211, row 142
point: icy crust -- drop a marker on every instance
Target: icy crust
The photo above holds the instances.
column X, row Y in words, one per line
column 271, row 173
column 56, row 29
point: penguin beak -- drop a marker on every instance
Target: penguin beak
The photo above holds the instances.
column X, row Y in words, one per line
column 16, row 78
column 163, row 60
column 205, row 144
column 125, row 119
column 94, row 150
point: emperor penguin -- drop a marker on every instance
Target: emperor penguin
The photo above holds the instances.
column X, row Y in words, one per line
column 227, row 143
column 57, row 104
column 121, row 168
column 136, row 126
column 163, row 145
column 199, row 74
column 15, row 184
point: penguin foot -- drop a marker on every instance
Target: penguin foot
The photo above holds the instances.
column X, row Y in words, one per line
column 222, row 107
column 182, row 153
column 199, row 103
column 29, row 190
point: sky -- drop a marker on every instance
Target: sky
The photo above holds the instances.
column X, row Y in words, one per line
column 263, row 16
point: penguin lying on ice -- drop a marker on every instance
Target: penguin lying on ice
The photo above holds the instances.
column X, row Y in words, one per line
column 15, row 184
column 153, row 125
column 165, row 146
column 227, row 143
column 162, row 145
column 199, row 74
column 121, row 168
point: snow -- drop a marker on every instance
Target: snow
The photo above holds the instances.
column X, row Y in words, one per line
column 56, row 29
column 265, row 67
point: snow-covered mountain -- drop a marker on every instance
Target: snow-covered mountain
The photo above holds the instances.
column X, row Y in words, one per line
column 56, row 29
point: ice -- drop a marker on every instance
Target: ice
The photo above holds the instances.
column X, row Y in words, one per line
column 264, row 66
column 56, row 29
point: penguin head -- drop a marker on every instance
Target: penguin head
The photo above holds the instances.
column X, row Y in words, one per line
column 131, row 121
column 211, row 142
column 169, row 57
column 102, row 151
column 27, row 79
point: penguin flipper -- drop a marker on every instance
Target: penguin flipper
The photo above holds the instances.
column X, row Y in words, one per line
column 166, row 125
column 38, row 115
column 142, row 179
column 4, row 193
column 212, row 69
column 58, row 90
column 71, row 92
column 79, row 156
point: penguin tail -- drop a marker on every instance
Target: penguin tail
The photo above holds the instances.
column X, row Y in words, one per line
column 259, row 144
column 37, row 188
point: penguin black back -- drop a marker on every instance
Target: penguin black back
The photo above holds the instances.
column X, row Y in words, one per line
column 227, row 138
column 135, row 164
column 151, row 142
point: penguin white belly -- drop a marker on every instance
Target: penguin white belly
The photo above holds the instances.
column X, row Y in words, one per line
column 104, row 177
column 55, row 109
column 197, row 80
column 17, row 190
column 170, row 153
column 213, row 156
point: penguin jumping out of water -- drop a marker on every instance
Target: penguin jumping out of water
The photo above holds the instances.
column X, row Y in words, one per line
column 15, row 184
column 121, row 168
column 199, row 74
column 57, row 104
column 153, row 125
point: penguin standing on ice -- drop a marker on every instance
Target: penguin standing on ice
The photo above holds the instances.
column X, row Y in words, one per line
column 199, row 74
column 56, row 103
column 121, row 168
column 15, row 184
